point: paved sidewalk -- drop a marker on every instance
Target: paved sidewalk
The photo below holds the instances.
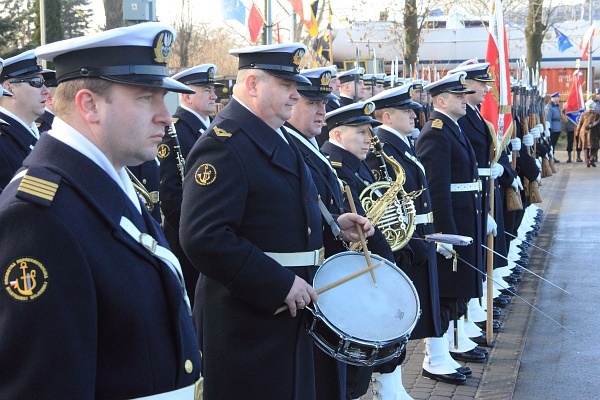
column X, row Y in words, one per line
column 502, row 376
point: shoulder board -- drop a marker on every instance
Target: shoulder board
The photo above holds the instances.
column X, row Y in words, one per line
column 221, row 132
column 175, row 120
column 39, row 186
column 335, row 160
column 437, row 124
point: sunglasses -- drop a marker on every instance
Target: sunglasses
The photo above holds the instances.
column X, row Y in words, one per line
column 36, row 82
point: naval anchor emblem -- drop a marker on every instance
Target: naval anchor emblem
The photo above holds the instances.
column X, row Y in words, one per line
column 26, row 279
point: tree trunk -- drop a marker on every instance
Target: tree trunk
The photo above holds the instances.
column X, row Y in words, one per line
column 114, row 13
column 534, row 33
column 412, row 35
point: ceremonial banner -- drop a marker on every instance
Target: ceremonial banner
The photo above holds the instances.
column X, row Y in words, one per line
column 496, row 107
column 246, row 12
column 575, row 105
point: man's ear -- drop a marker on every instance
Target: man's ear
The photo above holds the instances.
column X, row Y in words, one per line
column 86, row 102
column 251, row 83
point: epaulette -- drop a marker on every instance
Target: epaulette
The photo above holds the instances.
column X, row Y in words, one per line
column 39, row 186
column 224, row 130
column 437, row 124
column 335, row 160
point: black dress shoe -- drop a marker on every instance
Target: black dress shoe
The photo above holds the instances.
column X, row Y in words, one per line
column 556, row 161
column 480, row 340
column 517, row 269
column 500, row 302
column 504, row 296
column 469, row 356
column 495, row 325
column 593, row 163
column 523, row 245
column 579, row 159
column 516, row 276
column 466, row 371
column 455, row 378
column 481, row 350
column 510, row 279
column 496, row 312
column 523, row 253
column 509, row 291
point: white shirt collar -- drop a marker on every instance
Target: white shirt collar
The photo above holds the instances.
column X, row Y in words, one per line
column 68, row 135
column 396, row 133
column 206, row 121
column 278, row 130
column 32, row 129
column 446, row 114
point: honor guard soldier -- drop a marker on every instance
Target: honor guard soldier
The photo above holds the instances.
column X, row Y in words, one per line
column 44, row 122
column 397, row 111
column 93, row 303
column 22, row 78
column 484, row 144
column 335, row 85
column 454, row 187
column 251, row 224
column 352, row 89
column 190, row 121
column 368, row 86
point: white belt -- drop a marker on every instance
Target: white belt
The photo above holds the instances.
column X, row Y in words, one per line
column 465, row 187
column 186, row 393
column 424, row 218
column 484, row 171
column 299, row 259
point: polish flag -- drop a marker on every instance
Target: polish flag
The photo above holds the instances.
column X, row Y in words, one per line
column 584, row 44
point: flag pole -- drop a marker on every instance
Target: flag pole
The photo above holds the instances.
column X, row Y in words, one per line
column 590, row 77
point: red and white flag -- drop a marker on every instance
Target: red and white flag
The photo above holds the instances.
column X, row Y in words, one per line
column 575, row 105
column 584, row 44
column 496, row 107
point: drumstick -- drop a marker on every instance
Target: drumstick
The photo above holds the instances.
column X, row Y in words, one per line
column 361, row 234
column 337, row 283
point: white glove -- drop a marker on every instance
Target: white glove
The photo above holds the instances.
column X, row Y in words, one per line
column 510, row 157
column 538, row 162
column 528, row 140
column 492, row 227
column 536, row 133
column 445, row 251
column 547, row 133
column 547, row 124
column 539, row 178
column 496, row 171
column 414, row 134
column 516, row 144
column 517, row 184
column 542, row 127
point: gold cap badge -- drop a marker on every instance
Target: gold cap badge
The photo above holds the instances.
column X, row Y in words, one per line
column 162, row 46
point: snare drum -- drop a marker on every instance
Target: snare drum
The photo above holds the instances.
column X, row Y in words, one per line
column 356, row 322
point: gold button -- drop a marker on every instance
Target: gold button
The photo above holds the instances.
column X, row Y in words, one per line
column 474, row 180
column 425, row 204
column 476, row 195
column 309, row 230
column 189, row 367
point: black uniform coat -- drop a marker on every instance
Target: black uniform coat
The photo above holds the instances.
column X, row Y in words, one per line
column 188, row 128
column 16, row 142
column 248, row 192
column 423, row 272
column 480, row 137
column 448, row 158
column 44, row 122
column 109, row 320
column 344, row 101
column 324, row 135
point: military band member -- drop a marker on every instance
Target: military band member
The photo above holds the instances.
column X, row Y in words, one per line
column 93, row 305
column 22, row 78
column 368, row 86
column 250, row 222
column 454, row 186
column 44, row 122
column 396, row 110
column 191, row 120
column 304, row 125
column 335, row 86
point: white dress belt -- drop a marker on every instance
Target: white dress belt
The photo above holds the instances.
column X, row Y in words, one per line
column 299, row 259
column 186, row 393
column 484, row 171
column 465, row 187
column 424, row 218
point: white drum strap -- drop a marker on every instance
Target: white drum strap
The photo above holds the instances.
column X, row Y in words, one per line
column 162, row 253
column 186, row 393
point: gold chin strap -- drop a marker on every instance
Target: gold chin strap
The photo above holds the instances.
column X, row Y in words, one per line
column 150, row 198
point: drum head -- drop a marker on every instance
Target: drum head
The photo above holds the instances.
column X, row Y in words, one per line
column 362, row 310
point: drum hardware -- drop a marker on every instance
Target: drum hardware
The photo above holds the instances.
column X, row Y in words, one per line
column 337, row 283
column 389, row 312
column 361, row 234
